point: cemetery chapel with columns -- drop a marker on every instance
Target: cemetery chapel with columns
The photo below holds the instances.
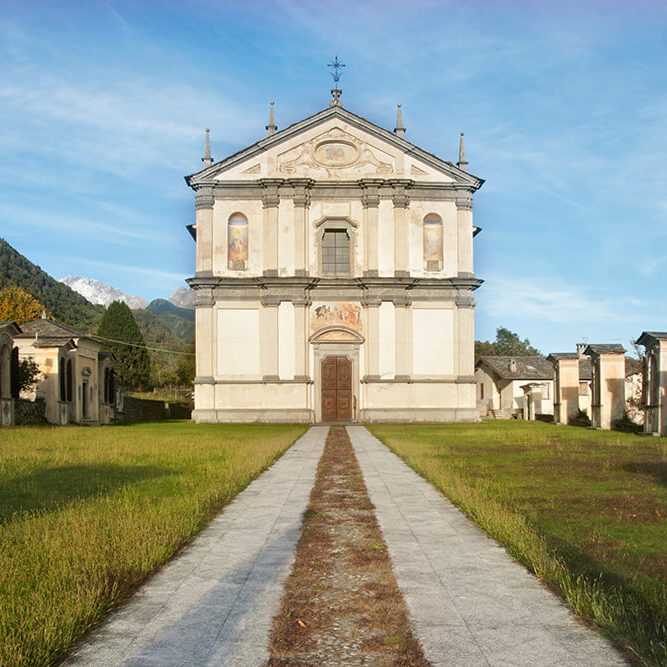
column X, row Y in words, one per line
column 334, row 277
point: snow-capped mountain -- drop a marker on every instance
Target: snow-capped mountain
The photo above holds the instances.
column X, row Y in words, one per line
column 98, row 292
column 182, row 297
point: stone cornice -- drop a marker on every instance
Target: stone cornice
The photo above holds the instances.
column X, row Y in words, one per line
column 271, row 291
column 371, row 192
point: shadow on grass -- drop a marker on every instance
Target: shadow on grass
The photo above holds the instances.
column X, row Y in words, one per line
column 48, row 489
column 655, row 469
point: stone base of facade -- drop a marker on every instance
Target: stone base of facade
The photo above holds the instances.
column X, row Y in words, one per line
column 249, row 416
column 410, row 415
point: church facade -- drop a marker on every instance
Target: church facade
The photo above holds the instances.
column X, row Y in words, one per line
column 334, row 278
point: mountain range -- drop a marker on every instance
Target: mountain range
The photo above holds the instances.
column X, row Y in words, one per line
column 165, row 324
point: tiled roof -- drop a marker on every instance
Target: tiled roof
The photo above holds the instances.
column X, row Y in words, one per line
column 605, row 349
column 47, row 329
column 527, row 368
column 11, row 325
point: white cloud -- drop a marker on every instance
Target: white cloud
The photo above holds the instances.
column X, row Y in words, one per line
column 528, row 297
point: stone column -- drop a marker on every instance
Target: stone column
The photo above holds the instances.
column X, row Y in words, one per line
column 301, row 198
column 608, row 401
column 370, row 199
column 268, row 339
column 401, row 201
column 566, row 386
column 301, row 344
column 372, row 307
column 403, row 338
column 204, row 225
column 465, row 312
column 464, row 227
column 655, row 382
column 206, row 355
column 270, row 200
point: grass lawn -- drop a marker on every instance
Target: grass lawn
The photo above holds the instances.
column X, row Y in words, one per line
column 87, row 513
column 583, row 509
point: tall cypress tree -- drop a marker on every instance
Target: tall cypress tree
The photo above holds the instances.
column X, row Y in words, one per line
column 132, row 364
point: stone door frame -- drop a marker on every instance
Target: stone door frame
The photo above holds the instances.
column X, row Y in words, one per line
column 336, row 348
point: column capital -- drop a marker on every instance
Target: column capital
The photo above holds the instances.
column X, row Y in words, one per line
column 204, row 198
column 370, row 195
column 370, row 301
column 270, row 196
column 463, row 200
column 400, row 195
column 300, row 190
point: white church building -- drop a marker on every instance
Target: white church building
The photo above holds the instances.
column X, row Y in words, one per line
column 334, row 278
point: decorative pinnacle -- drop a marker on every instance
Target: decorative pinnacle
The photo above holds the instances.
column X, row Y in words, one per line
column 462, row 164
column 336, row 92
column 207, row 159
column 271, row 127
column 399, row 130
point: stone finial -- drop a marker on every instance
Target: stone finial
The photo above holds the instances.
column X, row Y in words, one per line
column 207, row 159
column 271, row 127
column 399, row 130
column 462, row 164
column 44, row 313
column 335, row 97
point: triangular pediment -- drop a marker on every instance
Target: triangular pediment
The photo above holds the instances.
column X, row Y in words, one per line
column 334, row 144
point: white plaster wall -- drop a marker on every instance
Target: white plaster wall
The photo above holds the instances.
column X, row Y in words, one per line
column 257, row 396
column 433, row 341
column 286, row 345
column 238, row 342
column 415, row 395
column 387, row 332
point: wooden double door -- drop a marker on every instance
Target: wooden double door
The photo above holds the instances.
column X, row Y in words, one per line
column 336, row 389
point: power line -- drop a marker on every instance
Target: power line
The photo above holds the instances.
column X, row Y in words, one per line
column 143, row 347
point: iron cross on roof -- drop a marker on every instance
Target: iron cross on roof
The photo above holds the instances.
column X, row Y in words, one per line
column 336, row 66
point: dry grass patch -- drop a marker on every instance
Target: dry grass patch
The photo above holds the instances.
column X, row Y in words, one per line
column 585, row 510
column 87, row 513
column 342, row 604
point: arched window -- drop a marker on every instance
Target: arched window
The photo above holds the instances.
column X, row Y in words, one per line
column 6, row 371
column 237, row 242
column 433, row 242
column 15, row 389
column 62, row 378
column 70, row 381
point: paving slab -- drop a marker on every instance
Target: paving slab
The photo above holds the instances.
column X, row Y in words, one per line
column 214, row 604
column 469, row 602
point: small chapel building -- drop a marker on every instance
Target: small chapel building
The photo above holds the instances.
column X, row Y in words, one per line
column 334, row 277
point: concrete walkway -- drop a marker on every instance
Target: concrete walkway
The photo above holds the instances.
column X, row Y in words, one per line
column 469, row 602
column 214, row 604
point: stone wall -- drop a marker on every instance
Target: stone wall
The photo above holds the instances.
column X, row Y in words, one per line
column 143, row 409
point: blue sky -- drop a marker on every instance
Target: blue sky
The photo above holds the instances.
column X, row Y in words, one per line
column 103, row 107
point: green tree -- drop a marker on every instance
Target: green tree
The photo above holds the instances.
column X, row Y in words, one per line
column 16, row 304
column 28, row 374
column 120, row 334
column 186, row 366
column 507, row 343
